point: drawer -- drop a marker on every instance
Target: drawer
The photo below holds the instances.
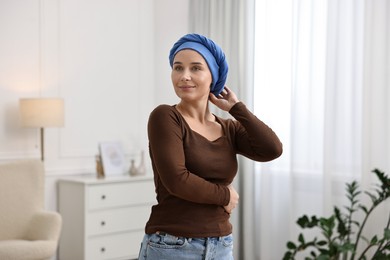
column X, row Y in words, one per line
column 117, row 220
column 120, row 194
column 118, row 246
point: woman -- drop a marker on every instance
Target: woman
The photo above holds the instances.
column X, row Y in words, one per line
column 193, row 155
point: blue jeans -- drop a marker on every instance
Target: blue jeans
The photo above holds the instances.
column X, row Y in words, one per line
column 167, row 247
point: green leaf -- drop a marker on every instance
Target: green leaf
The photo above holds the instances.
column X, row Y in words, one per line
column 291, row 245
column 288, row 256
column 383, row 179
column 322, row 243
column 323, row 257
column 305, row 222
column 363, row 208
column 374, row 240
column 381, row 256
column 301, row 238
column 386, row 234
column 347, row 247
column 342, row 226
column 387, row 247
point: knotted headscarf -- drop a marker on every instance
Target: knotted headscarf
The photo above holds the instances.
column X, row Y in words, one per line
column 211, row 52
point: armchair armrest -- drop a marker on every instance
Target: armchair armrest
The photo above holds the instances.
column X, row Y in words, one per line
column 45, row 225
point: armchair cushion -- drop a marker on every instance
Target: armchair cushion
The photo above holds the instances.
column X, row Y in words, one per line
column 21, row 194
column 27, row 231
column 27, row 250
column 44, row 225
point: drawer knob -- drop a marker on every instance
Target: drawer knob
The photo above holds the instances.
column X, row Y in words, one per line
column 103, row 197
column 103, row 223
column 103, row 249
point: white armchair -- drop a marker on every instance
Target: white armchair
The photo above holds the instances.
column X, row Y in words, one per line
column 27, row 231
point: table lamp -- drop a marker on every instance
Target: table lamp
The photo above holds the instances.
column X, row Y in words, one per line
column 42, row 113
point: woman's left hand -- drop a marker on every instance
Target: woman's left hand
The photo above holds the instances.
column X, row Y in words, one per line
column 226, row 100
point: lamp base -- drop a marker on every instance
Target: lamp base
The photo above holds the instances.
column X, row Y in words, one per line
column 42, row 143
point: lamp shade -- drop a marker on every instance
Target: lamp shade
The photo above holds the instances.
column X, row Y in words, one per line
column 41, row 112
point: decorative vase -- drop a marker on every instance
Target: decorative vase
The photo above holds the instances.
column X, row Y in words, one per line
column 133, row 170
column 141, row 170
column 99, row 167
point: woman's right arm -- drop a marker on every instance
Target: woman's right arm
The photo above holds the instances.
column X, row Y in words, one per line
column 233, row 200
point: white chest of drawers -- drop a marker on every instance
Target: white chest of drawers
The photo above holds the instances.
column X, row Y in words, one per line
column 103, row 218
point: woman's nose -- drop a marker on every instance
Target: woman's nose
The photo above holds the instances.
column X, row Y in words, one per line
column 186, row 76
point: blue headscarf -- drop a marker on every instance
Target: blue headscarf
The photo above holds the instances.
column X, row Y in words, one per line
column 211, row 52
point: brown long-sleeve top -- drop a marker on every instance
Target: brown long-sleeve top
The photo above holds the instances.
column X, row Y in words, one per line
column 191, row 173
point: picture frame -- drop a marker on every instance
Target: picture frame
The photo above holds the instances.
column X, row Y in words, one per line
column 113, row 159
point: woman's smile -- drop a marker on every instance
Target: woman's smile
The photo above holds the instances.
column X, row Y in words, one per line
column 184, row 87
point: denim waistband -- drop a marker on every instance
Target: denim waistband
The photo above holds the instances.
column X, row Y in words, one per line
column 216, row 238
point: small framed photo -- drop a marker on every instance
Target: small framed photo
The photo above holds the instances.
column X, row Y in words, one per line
column 113, row 159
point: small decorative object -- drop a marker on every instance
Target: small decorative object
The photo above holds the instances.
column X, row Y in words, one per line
column 133, row 169
column 112, row 158
column 99, row 166
column 141, row 170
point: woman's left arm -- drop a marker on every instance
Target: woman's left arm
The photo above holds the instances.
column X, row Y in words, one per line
column 253, row 138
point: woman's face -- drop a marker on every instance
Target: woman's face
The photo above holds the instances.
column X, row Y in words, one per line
column 191, row 76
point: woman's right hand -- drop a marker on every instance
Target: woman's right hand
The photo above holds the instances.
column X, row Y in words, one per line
column 233, row 199
column 226, row 100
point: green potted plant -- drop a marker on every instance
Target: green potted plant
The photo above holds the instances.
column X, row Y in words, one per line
column 341, row 233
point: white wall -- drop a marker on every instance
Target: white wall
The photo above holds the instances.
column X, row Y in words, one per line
column 171, row 22
column 107, row 59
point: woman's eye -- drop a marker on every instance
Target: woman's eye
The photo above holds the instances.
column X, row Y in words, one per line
column 177, row 68
column 195, row 68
